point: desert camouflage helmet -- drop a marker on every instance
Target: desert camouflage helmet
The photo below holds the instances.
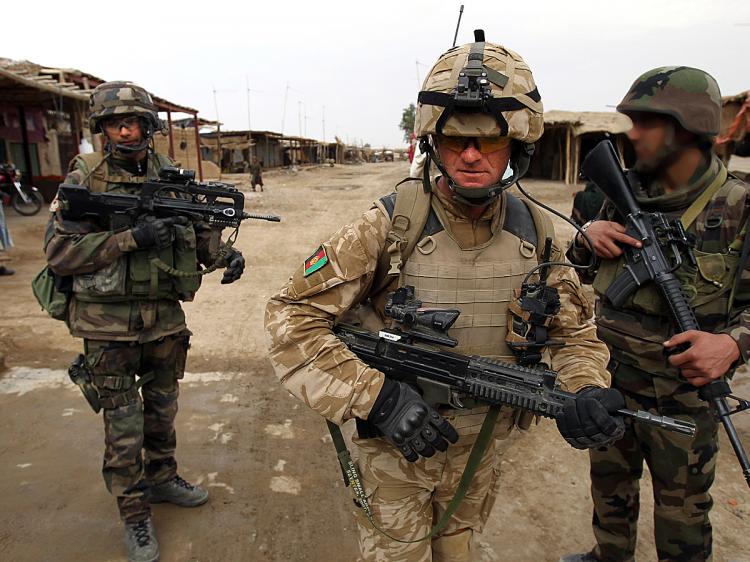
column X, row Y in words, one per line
column 511, row 104
column 121, row 98
column 688, row 94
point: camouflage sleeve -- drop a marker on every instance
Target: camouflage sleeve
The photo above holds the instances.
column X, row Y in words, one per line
column 582, row 361
column 308, row 359
column 739, row 326
column 76, row 247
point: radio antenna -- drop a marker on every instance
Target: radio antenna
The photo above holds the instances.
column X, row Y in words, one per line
column 458, row 24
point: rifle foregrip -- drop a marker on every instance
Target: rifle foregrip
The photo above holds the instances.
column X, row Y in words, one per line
column 672, row 289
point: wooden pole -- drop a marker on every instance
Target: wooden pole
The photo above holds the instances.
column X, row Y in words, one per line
column 171, row 136
column 567, row 155
column 198, row 146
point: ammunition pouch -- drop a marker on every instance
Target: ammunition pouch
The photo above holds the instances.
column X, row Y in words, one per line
column 52, row 292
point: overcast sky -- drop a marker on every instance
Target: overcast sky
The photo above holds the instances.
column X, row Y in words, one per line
column 359, row 60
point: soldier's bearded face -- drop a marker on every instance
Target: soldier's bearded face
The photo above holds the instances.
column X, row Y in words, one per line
column 471, row 167
column 651, row 136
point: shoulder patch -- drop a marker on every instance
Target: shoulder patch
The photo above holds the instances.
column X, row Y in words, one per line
column 316, row 261
column 55, row 205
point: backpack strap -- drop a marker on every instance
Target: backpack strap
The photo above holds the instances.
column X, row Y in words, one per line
column 409, row 208
column 95, row 178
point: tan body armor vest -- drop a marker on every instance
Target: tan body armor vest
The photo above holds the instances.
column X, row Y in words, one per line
column 478, row 281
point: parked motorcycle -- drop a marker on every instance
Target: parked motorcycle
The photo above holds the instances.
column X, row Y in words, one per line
column 26, row 200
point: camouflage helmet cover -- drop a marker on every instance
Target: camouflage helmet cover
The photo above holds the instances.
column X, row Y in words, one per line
column 689, row 95
column 521, row 118
column 121, row 98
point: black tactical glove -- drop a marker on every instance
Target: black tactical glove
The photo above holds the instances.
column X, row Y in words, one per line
column 235, row 267
column 587, row 422
column 408, row 422
column 155, row 233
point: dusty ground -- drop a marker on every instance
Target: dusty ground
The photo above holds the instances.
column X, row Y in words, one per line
column 276, row 491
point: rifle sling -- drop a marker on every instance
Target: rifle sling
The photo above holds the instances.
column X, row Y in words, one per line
column 351, row 474
column 703, row 199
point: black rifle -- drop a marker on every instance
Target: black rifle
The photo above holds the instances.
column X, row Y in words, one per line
column 447, row 378
column 175, row 193
column 649, row 264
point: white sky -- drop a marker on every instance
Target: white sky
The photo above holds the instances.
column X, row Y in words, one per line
column 359, row 59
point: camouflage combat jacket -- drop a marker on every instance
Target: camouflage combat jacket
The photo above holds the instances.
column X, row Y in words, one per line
column 321, row 371
column 114, row 295
column 636, row 330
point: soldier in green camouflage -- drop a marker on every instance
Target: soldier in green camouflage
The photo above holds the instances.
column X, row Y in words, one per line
column 675, row 113
column 131, row 327
column 463, row 242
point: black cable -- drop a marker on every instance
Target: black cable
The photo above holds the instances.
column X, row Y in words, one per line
column 579, row 230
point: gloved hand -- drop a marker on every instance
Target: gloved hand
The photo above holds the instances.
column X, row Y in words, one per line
column 408, row 422
column 588, row 421
column 155, row 233
column 235, row 267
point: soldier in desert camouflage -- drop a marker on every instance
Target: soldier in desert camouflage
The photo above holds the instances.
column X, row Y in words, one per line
column 472, row 247
column 676, row 113
column 132, row 327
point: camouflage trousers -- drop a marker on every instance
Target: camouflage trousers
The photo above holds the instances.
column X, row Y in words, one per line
column 682, row 470
column 407, row 499
column 145, row 423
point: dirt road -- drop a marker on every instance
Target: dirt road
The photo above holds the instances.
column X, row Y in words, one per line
column 276, row 491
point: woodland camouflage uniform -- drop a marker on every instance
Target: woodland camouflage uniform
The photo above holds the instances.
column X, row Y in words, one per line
column 130, row 326
column 682, row 469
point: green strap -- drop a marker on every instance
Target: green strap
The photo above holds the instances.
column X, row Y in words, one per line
column 352, row 477
column 702, row 201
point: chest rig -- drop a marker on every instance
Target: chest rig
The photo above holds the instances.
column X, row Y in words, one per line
column 132, row 277
column 635, row 331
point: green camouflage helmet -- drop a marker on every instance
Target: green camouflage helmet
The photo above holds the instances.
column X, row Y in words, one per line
column 514, row 108
column 121, row 98
column 688, row 94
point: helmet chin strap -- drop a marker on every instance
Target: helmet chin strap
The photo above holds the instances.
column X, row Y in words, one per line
column 477, row 196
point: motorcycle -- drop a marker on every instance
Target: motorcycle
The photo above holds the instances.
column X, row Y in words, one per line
column 26, row 200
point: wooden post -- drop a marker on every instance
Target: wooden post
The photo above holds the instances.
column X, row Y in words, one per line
column 198, row 146
column 171, row 137
column 567, row 155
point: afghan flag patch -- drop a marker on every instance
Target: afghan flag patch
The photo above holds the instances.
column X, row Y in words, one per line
column 316, row 261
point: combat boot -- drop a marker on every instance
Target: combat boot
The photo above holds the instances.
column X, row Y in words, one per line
column 140, row 540
column 179, row 492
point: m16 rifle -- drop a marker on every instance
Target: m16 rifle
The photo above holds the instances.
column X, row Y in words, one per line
column 448, row 378
column 650, row 264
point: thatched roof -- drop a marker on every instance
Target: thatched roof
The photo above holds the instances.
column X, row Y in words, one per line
column 588, row 121
column 31, row 83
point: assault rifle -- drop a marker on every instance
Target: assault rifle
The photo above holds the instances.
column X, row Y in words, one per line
column 650, row 264
column 448, row 378
column 174, row 193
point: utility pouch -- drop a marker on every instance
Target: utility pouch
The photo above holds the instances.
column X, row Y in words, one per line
column 47, row 290
column 79, row 374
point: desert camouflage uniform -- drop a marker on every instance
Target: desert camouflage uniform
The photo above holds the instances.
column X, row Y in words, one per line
column 682, row 469
column 407, row 498
column 126, row 336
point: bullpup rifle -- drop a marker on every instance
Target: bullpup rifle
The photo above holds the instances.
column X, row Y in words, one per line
column 174, row 193
column 449, row 378
column 650, row 264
